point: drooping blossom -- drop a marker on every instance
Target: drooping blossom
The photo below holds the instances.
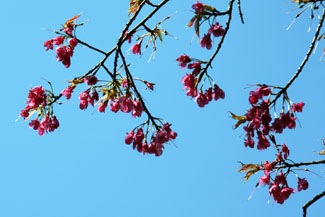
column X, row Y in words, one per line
column 73, row 42
column 94, row 97
column 206, row 41
column 189, row 81
column 48, row 44
column 216, row 30
column 91, row 80
column 126, row 104
column 149, row 85
column 115, row 106
column 68, row 91
column 297, row 107
column 102, row 106
column 196, row 67
column 58, row 40
column 200, row 99
column 83, row 96
column 136, row 48
column 137, row 108
column 129, row 38
column 302, row 184
column 198, row 7
column 183, row 60
column 264, row 180
column 36, row 97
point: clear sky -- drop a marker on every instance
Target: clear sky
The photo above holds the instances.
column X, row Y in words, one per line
column 84, row 169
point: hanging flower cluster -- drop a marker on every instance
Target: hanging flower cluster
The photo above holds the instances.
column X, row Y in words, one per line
column 66, row 42
column 190, row 82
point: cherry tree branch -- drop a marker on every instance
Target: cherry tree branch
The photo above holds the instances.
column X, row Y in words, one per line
column 288, row 165
column 229, row 12
column 311, row 48
column 309, row 203
column 240, row 12
column 91, row 47
column 122, row 39
column 152, row 119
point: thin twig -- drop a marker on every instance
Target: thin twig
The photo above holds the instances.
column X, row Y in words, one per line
column 287, row 165
column 230, row 7
column 126, row 68
column 91, row 47
column 240, row 12
column 311, row 48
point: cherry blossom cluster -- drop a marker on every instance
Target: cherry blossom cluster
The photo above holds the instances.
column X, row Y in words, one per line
column 274, row 178
column 118, row 102
column 37, row 103
column 64, row 52
column 201, row 12
column 66, row 42
column 278, row 187
column 191, row 82
column 216, row 30
column 260, row 121
column 48, row 124
column 139, row 140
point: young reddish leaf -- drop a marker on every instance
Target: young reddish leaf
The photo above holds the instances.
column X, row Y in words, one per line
column 190, row 24
column 321, row 152
column 71, row 20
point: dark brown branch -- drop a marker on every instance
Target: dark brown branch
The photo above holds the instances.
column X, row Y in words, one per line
column 287, row 165
column 309, row 203
column 121, row 39
column 311, row 48
column 122, row 36
column 150, row 117
column 230, row 8
column 240, row 12
column 91, row 47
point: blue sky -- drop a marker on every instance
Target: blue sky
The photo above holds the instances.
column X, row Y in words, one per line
column 84, row 168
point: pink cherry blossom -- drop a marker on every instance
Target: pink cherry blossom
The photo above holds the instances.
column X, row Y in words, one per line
column 264, row 180
column 115, row 106
column 302, row 184
column 137, row 109
column 126, row 104
column 129, row 37
column 206, row 41
column 216, row 30
column 68, row 91
column 129, row 137
column 136, row 48
column 58, row 40
column 73, row 42
column 196, row 67
column 183, row 60
column 91, row 80
column 198, row 7
column 298, row 107
column 102, row 106
column 201, row 99
column 48, row 44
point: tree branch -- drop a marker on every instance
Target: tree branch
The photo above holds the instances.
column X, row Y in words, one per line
column 152, row 119
column 309, row 203
column 311, row 47
column 287, row 165
column 229, row 11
